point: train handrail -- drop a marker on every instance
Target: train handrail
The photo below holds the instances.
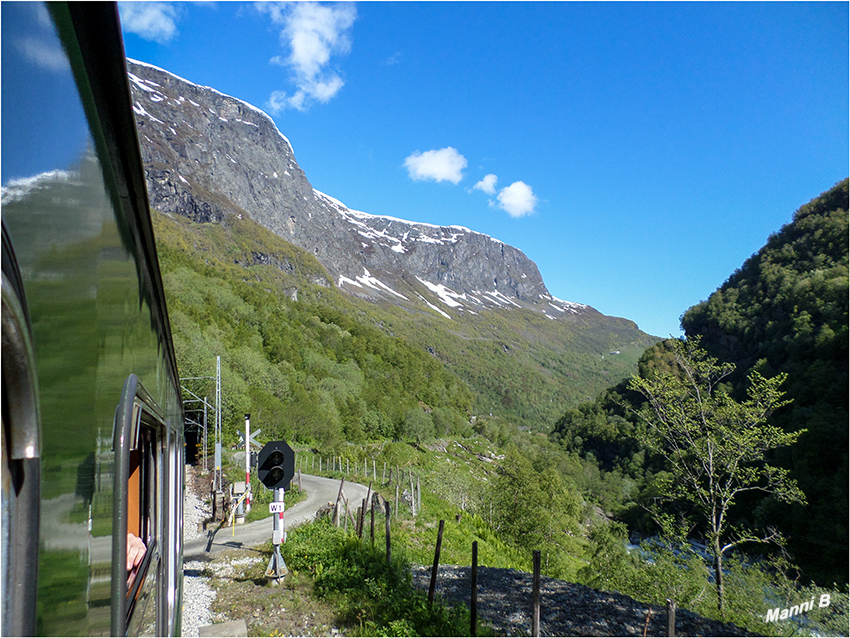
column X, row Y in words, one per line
column 21, row 516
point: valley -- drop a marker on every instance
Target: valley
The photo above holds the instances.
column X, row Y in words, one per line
column 440, row 350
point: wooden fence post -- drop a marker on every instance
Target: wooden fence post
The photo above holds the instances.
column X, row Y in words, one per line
column 351, row 516
column 473, row 603
column 535, row 596
column 646, row 621
column 384, row 474
column 361, row 519
column 372, row 526
column 387, row 524
column 335, row 519
column 671, row 618
column 436, row 566
column 418, row 495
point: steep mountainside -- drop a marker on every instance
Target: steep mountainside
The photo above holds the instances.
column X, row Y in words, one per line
column 216, row 166
column 207, row 154
column 517, row 363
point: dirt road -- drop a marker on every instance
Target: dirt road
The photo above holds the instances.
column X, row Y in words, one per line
column 320, row 491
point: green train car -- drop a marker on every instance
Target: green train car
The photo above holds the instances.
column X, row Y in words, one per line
column 92, row 432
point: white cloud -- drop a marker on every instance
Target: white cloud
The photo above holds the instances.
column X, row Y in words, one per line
column 277, row 101
column 443, row 165
column 325, row 90
column 488, row 184
column 312, row 33
column 44, row 54
column 154, row 21
column 43, row 17
column 517, row 199
column 42, row 49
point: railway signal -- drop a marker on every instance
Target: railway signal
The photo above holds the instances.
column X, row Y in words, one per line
column 275, row 469
column 276, row 465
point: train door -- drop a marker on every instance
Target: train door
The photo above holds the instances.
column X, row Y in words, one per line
column 140, row 514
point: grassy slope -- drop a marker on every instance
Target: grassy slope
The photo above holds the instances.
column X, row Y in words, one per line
column 517, row 363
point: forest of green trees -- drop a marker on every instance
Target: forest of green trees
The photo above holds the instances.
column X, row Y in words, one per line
column 784, row 312
column 305, row 370
column 582, row 466
column 332, row 368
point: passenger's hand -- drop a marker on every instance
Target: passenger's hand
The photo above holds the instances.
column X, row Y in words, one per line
column 135, row 553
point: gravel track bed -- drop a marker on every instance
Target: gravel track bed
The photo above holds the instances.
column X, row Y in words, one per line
column 197, row 594
column 567, row 609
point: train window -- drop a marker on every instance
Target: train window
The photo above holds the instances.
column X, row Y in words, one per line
column 141, row 501
column 139, row 458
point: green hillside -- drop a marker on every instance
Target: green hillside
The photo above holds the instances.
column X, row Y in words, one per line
column 784, row 311
column 322, row 366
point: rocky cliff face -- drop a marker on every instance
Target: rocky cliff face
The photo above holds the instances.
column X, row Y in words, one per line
column 207, row 155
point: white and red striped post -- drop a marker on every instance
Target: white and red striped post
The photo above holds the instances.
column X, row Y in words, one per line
column 248, row 462
column 278, row 530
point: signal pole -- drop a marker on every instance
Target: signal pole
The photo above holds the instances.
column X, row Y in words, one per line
column 277, row 568
column 248, row 462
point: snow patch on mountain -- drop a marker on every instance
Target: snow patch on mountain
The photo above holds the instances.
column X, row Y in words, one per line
column 140, row 84
column 433, row 307
column 446, row 295
column 398, row 240
column 366, row 279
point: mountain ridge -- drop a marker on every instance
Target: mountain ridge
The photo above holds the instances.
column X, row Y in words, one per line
column 207, row 154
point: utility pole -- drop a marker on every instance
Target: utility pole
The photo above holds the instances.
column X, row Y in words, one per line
column 217, row 476
column 205, row 434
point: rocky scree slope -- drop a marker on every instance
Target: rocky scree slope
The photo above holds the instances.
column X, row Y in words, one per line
column 207, row 155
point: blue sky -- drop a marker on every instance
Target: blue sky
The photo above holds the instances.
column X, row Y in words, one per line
column 637, row 152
